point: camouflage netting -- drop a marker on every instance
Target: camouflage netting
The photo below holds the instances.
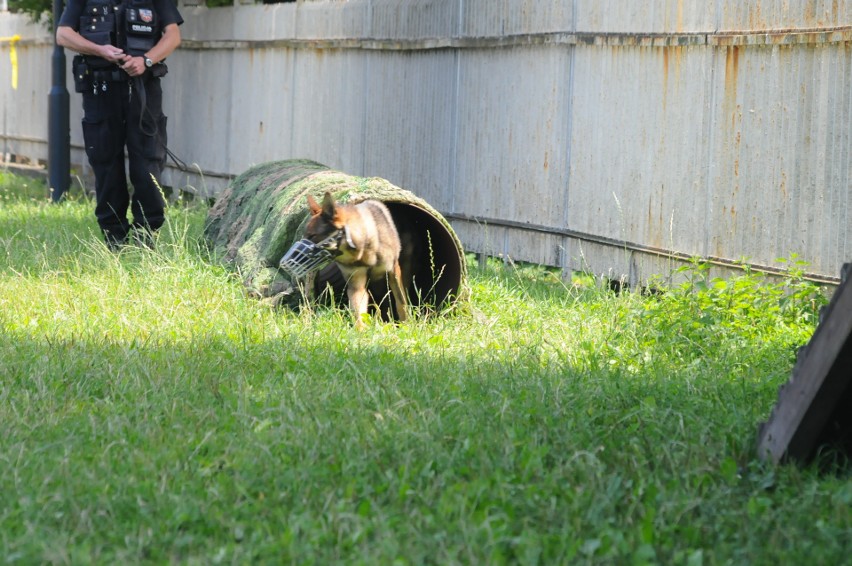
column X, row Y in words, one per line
column 263, row 212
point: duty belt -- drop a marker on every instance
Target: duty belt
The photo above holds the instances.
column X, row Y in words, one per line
column 110, row 76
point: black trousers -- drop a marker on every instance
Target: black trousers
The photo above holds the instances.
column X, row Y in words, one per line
column 118, row 116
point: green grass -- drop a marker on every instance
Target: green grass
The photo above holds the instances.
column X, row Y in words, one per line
column 153, row 413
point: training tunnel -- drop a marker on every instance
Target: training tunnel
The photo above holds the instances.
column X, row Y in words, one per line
column 256, row 219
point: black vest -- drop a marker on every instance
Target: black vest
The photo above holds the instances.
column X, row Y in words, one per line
column 132, row 25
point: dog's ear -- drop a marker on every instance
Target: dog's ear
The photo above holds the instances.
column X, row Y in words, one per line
column 329, row 207
column 312, row 204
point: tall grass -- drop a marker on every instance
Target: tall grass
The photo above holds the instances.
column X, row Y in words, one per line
column 155, row 414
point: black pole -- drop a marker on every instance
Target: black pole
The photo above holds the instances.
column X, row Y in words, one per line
column 58, row 120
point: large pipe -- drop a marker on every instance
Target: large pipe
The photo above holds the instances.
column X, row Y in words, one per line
column 264, row 211
column 58, row 120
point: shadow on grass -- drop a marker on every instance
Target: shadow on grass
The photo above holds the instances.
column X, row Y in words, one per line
column 345, row 448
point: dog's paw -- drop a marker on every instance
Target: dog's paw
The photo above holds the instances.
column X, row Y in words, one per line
column 362, row 320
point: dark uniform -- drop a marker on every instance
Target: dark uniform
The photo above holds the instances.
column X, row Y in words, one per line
column 119, row 111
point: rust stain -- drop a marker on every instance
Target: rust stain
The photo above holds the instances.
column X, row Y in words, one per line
column 755, row 18
column 261, row 127
column 732, row 65
column 737, row 141
column 671, row 54
column 650, row 213
column 654, row 224
column 546, row 161
column 810, row 12
column 679, row 16
column 665, row 73
column 777, row 38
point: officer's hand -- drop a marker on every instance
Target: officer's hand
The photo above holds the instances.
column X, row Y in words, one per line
column 111, row 53
column 134, row 66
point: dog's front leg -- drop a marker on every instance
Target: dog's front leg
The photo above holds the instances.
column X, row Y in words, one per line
column 308, row 285
column 400, row 296
column 356, row 290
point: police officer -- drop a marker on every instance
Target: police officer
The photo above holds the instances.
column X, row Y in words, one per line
column 122, row 45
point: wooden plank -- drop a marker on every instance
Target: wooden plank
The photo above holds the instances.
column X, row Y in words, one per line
column 813, row 406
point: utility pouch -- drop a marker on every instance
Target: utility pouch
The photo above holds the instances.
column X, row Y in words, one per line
column 97, row 24
column 82, row 74
column 159, row 70
column 98, row 29
column 140, row 30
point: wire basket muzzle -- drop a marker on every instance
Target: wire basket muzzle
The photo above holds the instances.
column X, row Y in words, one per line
column 303, row 258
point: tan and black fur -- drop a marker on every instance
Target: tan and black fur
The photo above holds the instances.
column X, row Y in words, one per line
column 367, row 251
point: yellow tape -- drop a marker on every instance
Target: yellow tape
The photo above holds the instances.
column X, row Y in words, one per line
column 13, row 57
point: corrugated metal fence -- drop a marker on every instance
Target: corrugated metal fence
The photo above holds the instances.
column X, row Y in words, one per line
column 590, row 134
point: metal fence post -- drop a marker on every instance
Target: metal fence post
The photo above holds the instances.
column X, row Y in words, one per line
column 59, row 135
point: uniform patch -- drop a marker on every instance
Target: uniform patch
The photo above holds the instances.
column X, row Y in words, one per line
column 146, row 16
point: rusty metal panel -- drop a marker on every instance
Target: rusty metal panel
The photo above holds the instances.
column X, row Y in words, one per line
column 413, row 19
column 723, row 152
column 327, row 99
column 276, row 103
column 268, row 22
column 490, row 18
column 325, row 20
column 409, row 123
column 199, row 126
column 511, row 244
column 754, row 15
column 641, row 118
column 236, row 23
column 657, row 17
column 512, row 161
column 725, row 16
column 780, row 181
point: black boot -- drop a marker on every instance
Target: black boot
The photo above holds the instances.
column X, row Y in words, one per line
column 143, row 238
column 113, row 241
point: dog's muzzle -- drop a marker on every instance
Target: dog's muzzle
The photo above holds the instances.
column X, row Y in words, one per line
column 305, row 257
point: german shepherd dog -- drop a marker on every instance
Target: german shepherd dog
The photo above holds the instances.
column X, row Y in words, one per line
column 367, row 249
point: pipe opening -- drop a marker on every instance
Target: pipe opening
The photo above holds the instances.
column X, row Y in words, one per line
column 432, row 267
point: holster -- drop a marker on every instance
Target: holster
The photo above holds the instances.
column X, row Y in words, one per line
column 82, row 73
